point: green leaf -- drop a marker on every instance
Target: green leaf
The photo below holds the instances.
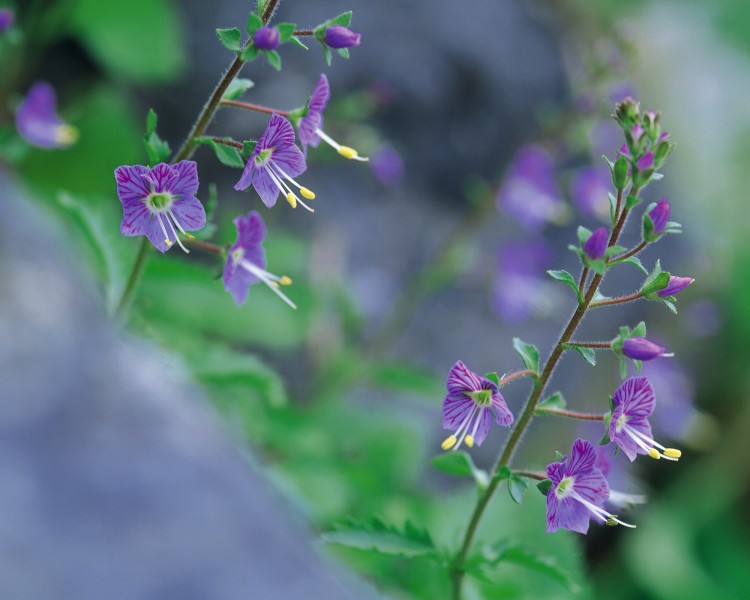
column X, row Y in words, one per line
column 556, row 402
column 516, row 487
column 589, row 355
column 296, row 40
column 260, row 6
column 613, row 250
column 273, row 59
column 344, row 19
column 403, row 377
column 227, row 155
column 639, row 330
column 546, row 566
column 156, row 148
column 583, row 234
column 230, row 38
column 632, row 201
column 605, row 438
column 285, row 31
column 493, row 377
column 612, row 208
column 528, row 353
column 254, row 22
column 461, row 465
column 249, row 53
column 559, row 457
column 236, row 88
column 567, row 279
column 376, row 536
column 544, row 486
column 632, row 260
column 248, row 147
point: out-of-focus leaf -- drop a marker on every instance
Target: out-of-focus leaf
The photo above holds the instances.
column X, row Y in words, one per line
column 376, row 536
column 461, row 465
column 236, row 88
column 404, row 377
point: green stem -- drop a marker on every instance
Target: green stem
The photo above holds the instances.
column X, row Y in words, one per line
column 134, row 279
column 457, row 569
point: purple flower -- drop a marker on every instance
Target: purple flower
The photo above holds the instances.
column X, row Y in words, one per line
column 676, row 391
column 589, row 190
column 266, row 38
column 645, row 162
column 617, row 499
column 529, row 191
column 274, row 162
column 470, row 406
column 338, row 36
column 596, row 245
column 639, row 348
column 578, row 491
column 37, row 120
column 521, row 288
column 246, row 261
column 7, row 18
column 387, row 166
column 675, row 286
column 659, row 215
column 634, row 401
column 159, row 202
column 310, row 126
column 636, row 132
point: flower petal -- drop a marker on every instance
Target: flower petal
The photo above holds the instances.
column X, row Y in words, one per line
column 485, row 422
column 186, row 182
column 592, row 486
column 636, row 397
column 626, row 443
column 567, row 513
column 190, row 213
column 131, row 186
column 279, row 134
column 503, row 416
column 291, row 160
column 251, row 231
column 266, row 188
column 455, row 409
column 247, row 175
column 461, row 379
column 161, row 177
column 155, row 234
column 582, row 458
column 237, row 281
column 556, row 472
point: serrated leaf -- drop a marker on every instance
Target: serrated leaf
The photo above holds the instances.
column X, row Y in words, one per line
column 254, row 22
column 556, row 402
column 273, row 59
column 236, row 88
column 157, row 149
column 230, row 38
column 588, row 354
column 285, row 31
column 378, row 537
column 567, row 279
column 516, row 487
column 227, row 155
column 528, row 353
column 460, row 464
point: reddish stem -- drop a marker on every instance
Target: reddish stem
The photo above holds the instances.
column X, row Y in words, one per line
column 630, row 253
column 591, row 344
column 538, row 475
column 207, row 247
column 304, row 33
column 620, row 300
column 570, row 414
column 255, row 107
column 505, row 379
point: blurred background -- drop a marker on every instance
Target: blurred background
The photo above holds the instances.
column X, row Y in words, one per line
column 485, row 129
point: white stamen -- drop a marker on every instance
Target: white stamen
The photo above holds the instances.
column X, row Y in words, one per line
column 283, row 188
column 268, row 278
column 176, row 237
column 282, row 176
column 598, row 512
column 463, row 429
column 163, row 229
column 641, row 440
column 331, row 142
column 176, row 222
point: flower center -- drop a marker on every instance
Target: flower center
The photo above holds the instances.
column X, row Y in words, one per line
column 159, row 202
column 482, row 397
column 565, row 487
column 621, row 421
column 264, row 156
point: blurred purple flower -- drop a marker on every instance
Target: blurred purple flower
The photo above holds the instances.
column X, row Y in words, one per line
column 605, row 460
column 37, row 120
column 529, row 191
column 675, row 286
column 621, row 90
column 634, row 401
column 338, row 36
column 471, row 405
column 645, row 162
column 589, row 190
column 659, row 215
column 521, row 288
column 579, row 489
column 266, row 38
column 246, row 261
column 704, row 318
column 596, row 245
column 274, row 162
column 156, row 200
column 639, row 348
column 387, row 166
column 7, row 18
column 676, row 393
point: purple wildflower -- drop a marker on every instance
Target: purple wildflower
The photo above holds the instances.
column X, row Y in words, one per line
column 266, row 38
column 470, row 406
column 274, row 162
column 578, row 490
column 604, row 462
column 387, row 166
column 338, row 36
column 596, row 245
column 7, row 18
column 155, row 201
column 675, row 286
column 639, row 348
column 37, row 120
column 636, row 132
column 246, row 261
column 659, row 215
column 645, row 162
column 589, row 190
column 629, row 428
column 310, row 127
column 529, row 190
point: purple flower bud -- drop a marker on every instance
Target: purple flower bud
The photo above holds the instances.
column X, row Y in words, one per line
column 637, row 132
column 639, row 348
column 659, row 215
column 663, row 136
column 645, row 162
column 387, row 166
column 337, row 36
column 7, row 17
column 596, row 245
column 266, row 38
column 675, row 286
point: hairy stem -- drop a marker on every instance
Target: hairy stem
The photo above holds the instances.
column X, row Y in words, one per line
column 590, row 344
column 303, row 33
column 569, row 413
column 232, row 143
column 457, row 570
column 538, row 475
column 255, row 107
column 620, row 300
column 505, row 379
column 629, row 253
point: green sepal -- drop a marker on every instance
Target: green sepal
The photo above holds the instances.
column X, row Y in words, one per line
column 327, row 54
column 529, row 354
column 598, row 266
column 516, row 487
column 639, row 330
column 605, row 438
column 285, row 31
column 613, row 250
column 249, row 53
column 669, row 302
column 157, row 149
column 230, row 38
column 567, row 279
column 631, row 260
column 227, row 155
column 298, row 42
column 273, row 58
column 632, row 201
column 612, row 208
column 638, row 365
column 559, row 457
column 623, row 368
column 655, row 282
column 620, row 177
column 555, row 402
column 544, row 486
column 343, row 53
column 236, row 88
column 588, row 354
column 493, row 377
column 344, row 19
column 583, row 234
column 254, row 22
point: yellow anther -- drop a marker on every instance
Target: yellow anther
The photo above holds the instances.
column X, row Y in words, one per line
column 274, row 284
column 190, row 237
column 285, row 280
column 167, row 242
column 469, row 441
column 348, row 152
column 292, row 199
column 309, row 194
column 673, row 453
column 654, row 453
column 449, row 442
column 66, row 134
